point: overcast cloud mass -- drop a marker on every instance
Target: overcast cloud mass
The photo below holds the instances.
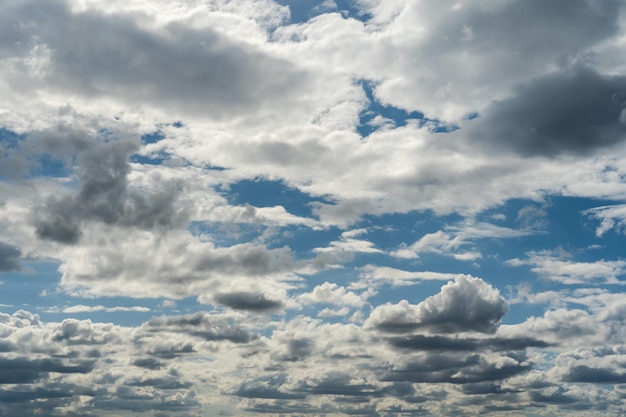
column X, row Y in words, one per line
column 313, row 208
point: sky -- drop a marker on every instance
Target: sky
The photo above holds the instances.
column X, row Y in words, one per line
column 306, row 208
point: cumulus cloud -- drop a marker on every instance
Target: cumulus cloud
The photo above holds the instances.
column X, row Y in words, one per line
column 466, row 304
column 331, row 293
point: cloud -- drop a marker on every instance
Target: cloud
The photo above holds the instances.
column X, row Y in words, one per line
column 89, row 309
column 451, row 241
column 463, row 370
column 248, row 301
column 9, row 257
column 202, row 325
column 555, row 267
column 24, row 370
column 450, row 61
column 611, row 217
column 105, row 196
column 331, row 293
column 467, row 304
column 181, row 258
column 374, row 276
column 130, row 59
column 575, row 111
column 444, row 343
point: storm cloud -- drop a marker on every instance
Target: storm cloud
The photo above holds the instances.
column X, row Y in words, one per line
column 574, row 111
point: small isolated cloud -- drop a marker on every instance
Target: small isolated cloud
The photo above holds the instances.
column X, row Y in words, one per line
column 466, row 304
column 349, row 244
column 331, row 293
column 90, row 309
column 375, row 276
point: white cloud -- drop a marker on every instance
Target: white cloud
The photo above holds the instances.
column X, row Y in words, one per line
column 555, row 267
column 331, row 293
column 611, row 218
column 89, row 309
column 451, row 241
column 372, row 275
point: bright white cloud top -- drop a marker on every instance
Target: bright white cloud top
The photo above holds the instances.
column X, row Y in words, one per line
column 312, row 208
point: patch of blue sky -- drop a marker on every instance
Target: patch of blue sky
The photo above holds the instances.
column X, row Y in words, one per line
column 10, row 139
column 49, row 166
column 226, row 233
column 391, row 230
column 304, row 10
column 121, row 311
column 268, row 193
column 152, row 159
column 559, row 223
column 153, row 137
column 39, row 165
column 34, row 286
column 378, row 115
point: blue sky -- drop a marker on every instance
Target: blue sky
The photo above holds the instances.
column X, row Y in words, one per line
column 312, row 208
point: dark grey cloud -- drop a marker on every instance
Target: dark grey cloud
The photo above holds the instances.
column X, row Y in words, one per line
column 583, row 373
column 248, row 301
column 202, row 325
column 458, row 369
column 298, row 349
column 148, row 363
column 559, row 396
column 105, row 195
column 574, row 111
column 444, row 343
column 178, row 67
column 9, row 257
column 25, row 370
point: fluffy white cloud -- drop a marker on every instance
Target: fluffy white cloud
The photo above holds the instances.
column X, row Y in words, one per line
column 466, row 304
